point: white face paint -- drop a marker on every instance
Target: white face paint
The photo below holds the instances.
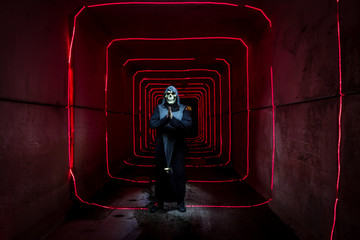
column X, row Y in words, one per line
column 170, row 97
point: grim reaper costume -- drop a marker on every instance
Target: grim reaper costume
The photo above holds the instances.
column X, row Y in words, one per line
column 172, row 121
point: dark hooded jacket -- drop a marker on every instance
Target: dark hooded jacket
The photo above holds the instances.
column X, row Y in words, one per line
column 170, row 148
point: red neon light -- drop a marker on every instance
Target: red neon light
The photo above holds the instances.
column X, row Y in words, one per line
column 199, row 138
column 339, row 123
column 220, row 84
column 176, row 39
column 98, row 205
column 158, row 59
column 199, row 114
column 71, row 123
column 200, row 133
column 164, row 87
column 230, row 110
column 182, row 90
column 273, row 129
column 71, row 97
column 188, row 96
column 161, row 92
column 258, row 9
column 73, row 35
column 142, row 208
column 164, row 3
column 217, row 206
column 187, row 70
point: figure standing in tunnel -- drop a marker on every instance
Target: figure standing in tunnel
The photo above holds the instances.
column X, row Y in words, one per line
column 172, row 121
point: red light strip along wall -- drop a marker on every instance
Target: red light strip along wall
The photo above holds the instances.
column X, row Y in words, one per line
column 164, row 3
column 71, row 97
column 339, row 121
column 71, row 94
column 173, row 71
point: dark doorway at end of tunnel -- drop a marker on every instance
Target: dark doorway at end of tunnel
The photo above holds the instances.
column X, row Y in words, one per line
column 192, row 104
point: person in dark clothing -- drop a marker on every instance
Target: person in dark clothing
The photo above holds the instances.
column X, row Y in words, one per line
column 172, row 121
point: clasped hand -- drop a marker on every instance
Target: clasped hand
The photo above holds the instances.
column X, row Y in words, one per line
column 169, row 114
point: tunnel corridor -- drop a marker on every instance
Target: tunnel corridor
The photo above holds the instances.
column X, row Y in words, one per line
column 273, row 89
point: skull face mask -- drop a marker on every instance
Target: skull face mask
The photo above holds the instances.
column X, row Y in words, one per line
column 170, row 97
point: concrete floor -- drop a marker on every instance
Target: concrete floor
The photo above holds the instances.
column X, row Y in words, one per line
column 90, row 222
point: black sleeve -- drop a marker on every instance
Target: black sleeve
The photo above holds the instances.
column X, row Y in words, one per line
column 184, row 124
column 155, row 120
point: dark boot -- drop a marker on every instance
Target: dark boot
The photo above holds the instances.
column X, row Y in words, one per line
column 156, row 206
column 181, row 206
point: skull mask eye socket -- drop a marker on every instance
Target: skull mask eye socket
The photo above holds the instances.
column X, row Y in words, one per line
column 170, row 97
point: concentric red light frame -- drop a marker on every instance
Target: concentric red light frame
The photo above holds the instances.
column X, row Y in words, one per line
column 161, row 94
column 71, row 90
column 177, row 71
column 182, row 90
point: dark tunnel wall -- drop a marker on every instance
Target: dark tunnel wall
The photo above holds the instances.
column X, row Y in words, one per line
column 306, row 88
column 34, row 178
column 302, row 48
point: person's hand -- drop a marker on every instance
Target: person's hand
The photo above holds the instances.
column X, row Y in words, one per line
column 170, row 114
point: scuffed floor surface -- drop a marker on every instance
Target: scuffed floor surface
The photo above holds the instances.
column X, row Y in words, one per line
column 90, row 222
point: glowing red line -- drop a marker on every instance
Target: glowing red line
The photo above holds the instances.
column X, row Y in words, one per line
column 142, row 208
column 162, row 84
column 98, row 205
column 183, row 89
column 261, row 12
column 197, row 38
column 175, row 3
column 203, row 121
column 158, row 59
column 273, row 129
column 162, row 89
column 182, row 70
column 339, row 122
column 154, row 103
column 71, row 97
column 217, row 206
column 230, row 111
column 160, row 96
column 164, row 3
column 199, row 108
column 176, row 39
column 73, row 35
column 198, row 96
column 216, row 181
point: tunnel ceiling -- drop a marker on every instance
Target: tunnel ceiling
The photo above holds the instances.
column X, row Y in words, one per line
column 180, row 21
column 204, row 50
